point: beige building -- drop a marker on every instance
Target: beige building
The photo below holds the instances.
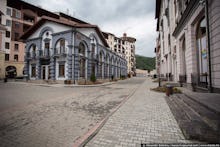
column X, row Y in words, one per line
column 187, row 47
column 2, row 52
column 17, row 17
column 125, row 47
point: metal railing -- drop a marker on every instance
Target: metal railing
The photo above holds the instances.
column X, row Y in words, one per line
column 60, row 51
column 44, row 53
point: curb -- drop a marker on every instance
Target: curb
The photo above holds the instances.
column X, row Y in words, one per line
column 83, row 140
column 62, row 85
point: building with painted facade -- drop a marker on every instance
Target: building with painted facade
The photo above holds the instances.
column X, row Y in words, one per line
column 187, row 46
column 124, row 47
column 18, row 17
column 59, row 49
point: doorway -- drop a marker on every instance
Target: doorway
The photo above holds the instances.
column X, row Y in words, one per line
column 45, row 72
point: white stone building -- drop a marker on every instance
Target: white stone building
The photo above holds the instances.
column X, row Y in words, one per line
column 188, row 49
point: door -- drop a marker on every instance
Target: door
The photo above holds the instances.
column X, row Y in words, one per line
column 45, row 72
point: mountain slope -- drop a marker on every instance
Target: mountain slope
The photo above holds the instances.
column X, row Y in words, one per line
column 145, row 63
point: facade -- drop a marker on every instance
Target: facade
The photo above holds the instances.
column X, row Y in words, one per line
column 18, row 17
column 187, row 46
column 58, row 49
column 124, row 47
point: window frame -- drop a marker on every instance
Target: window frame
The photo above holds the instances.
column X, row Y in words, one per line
column 16, row 57
column 61, row 71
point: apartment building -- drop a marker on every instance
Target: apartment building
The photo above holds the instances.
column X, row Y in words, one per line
column 187, row 46
column 2, row 52
column 18, row 17
column 124, row 47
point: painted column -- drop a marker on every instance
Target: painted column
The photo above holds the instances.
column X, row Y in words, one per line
column 69, row 62
column 89, row 65
column 76, row 63
column 105, row 70
column 38, row 69
column 26, row 67
column 52, row 68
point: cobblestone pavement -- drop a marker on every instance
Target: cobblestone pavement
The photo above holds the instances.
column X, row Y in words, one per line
column 144, row 118
column 33, row 115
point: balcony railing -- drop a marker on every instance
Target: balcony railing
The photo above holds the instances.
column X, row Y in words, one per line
column 31, row 55
column 44, row 53
column 60, row 51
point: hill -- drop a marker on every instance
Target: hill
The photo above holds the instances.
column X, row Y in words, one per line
column 145, row 63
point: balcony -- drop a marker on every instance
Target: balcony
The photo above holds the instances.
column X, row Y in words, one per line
column 61, row 51
column 44, row 53
column 31, row 55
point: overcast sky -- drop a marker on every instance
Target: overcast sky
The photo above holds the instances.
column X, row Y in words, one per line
column 135, row 17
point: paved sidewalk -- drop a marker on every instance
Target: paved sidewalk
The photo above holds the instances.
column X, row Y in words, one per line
column 210, row 100
column 144, row 118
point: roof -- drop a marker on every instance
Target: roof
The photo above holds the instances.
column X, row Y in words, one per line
column 130, row 39
column 19, row 4
column 72, row 18
column 70, row 23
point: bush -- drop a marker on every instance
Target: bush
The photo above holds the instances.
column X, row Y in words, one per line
column 93, row 78
column 122, row 77
column 163, row 89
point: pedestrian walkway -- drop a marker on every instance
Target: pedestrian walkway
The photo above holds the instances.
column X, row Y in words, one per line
column 209, row 100
column 144, row 118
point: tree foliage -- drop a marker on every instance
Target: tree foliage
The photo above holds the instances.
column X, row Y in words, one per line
column 145, row 63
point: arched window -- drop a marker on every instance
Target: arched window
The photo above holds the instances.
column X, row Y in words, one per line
column 201, row 44
column 202, row 50
column 82, row 60
column 33, row 51
column 62, row 46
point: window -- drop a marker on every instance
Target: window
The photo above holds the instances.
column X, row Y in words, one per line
column 8, row 11
column 16, row 36
column 61, row 70
column 17, row 25
column 33, row 70
column 17, row 14
column 15, row 57
column 6, row 57
column 7, row 34
column 8, row 23
column 16, row 47
column 202, row 50
column 47, row 45
column 7, row 45
column 62, row 46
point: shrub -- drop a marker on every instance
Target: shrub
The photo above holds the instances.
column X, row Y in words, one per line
column 93, row 78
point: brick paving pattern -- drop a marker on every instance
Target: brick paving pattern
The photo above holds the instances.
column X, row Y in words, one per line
column 144, row 118
column 35, row 116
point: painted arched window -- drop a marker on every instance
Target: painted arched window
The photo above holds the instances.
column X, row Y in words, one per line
column 202, row 49
column 33, row 51
column 82, row 60
column 62, row 46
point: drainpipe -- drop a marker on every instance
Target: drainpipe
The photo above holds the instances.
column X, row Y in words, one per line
column 209, row 46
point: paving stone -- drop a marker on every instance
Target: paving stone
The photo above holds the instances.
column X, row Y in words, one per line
column 144, row 118
column 33, row 115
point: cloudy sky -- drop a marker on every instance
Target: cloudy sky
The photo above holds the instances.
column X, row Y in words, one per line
column 136, row 18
